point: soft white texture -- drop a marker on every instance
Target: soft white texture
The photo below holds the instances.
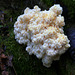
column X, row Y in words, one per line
column 43, row 33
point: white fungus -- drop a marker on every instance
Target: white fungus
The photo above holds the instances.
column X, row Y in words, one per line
column 43, row 33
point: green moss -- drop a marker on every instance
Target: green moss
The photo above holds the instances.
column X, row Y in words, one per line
column 71, row 7
column 22, row 61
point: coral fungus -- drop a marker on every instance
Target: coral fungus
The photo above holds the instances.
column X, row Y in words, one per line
column 43, row 33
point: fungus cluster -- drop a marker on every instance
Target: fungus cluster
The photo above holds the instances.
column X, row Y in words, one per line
column 43, row 33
